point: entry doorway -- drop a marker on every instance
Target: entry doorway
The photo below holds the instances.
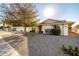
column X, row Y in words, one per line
column 39, row 28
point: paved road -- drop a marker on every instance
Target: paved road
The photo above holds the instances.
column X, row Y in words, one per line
column 6, row 49
column 13, row 44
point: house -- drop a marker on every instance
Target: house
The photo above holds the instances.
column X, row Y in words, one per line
column 1, row 24
column 70, row 23
column 5, row 26
column 75, row 28
column 49, row 24
column 65, row 26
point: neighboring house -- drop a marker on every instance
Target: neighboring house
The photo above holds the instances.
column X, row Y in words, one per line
column 49, row 23
column 70, row 26
column 1, row 24
column 75, row 28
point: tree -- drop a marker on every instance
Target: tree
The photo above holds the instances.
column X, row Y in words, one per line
column 3, row 11
column 23, row 14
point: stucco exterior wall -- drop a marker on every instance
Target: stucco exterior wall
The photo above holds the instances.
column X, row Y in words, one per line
column 28, row 29
column 64, row 29
column 1, row 24
column 76, row 29
column 46, row 27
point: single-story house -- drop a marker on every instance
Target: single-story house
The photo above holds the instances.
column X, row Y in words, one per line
column 1, row 23
column 75, row 28
column 65, row 26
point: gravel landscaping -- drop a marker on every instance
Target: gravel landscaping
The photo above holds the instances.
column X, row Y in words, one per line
column 49, row 45
column 34, row 44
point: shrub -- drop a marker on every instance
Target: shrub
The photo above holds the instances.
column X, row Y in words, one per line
column 64, row 49
column 55, row 31
column 1, row 27
column 7, row 27
column 48, row 31
column 32, row 31
column 70, row 50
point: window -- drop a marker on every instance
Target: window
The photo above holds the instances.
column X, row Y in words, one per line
column 56, row 27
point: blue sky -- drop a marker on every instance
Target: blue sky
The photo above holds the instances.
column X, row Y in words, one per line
column 62, row 11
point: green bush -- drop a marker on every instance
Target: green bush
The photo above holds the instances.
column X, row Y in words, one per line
column 7, row 27
column 70, row 50
column 55, row 31
column 48, row 31
column 1, row 27
column 32, row 31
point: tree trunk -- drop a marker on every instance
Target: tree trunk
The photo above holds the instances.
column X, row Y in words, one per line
column 14, row 28
column 24, row 30
column 3, row 26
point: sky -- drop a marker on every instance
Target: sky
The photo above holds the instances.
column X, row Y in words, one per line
column 62, row 11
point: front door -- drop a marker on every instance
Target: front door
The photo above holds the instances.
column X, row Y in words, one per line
column 40, row 28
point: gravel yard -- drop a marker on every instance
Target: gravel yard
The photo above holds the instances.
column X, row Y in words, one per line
column 49, row 45
column 34, row 44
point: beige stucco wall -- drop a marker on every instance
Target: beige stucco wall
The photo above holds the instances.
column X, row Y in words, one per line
column 76, row 29
column 66, row 29
column 28, row 29
column 46, row 27
column 63, row 27
column 1, row 24
column 51, row 27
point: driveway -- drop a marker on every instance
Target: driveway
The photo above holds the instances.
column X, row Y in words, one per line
column 73, row 34
column 49, row 45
